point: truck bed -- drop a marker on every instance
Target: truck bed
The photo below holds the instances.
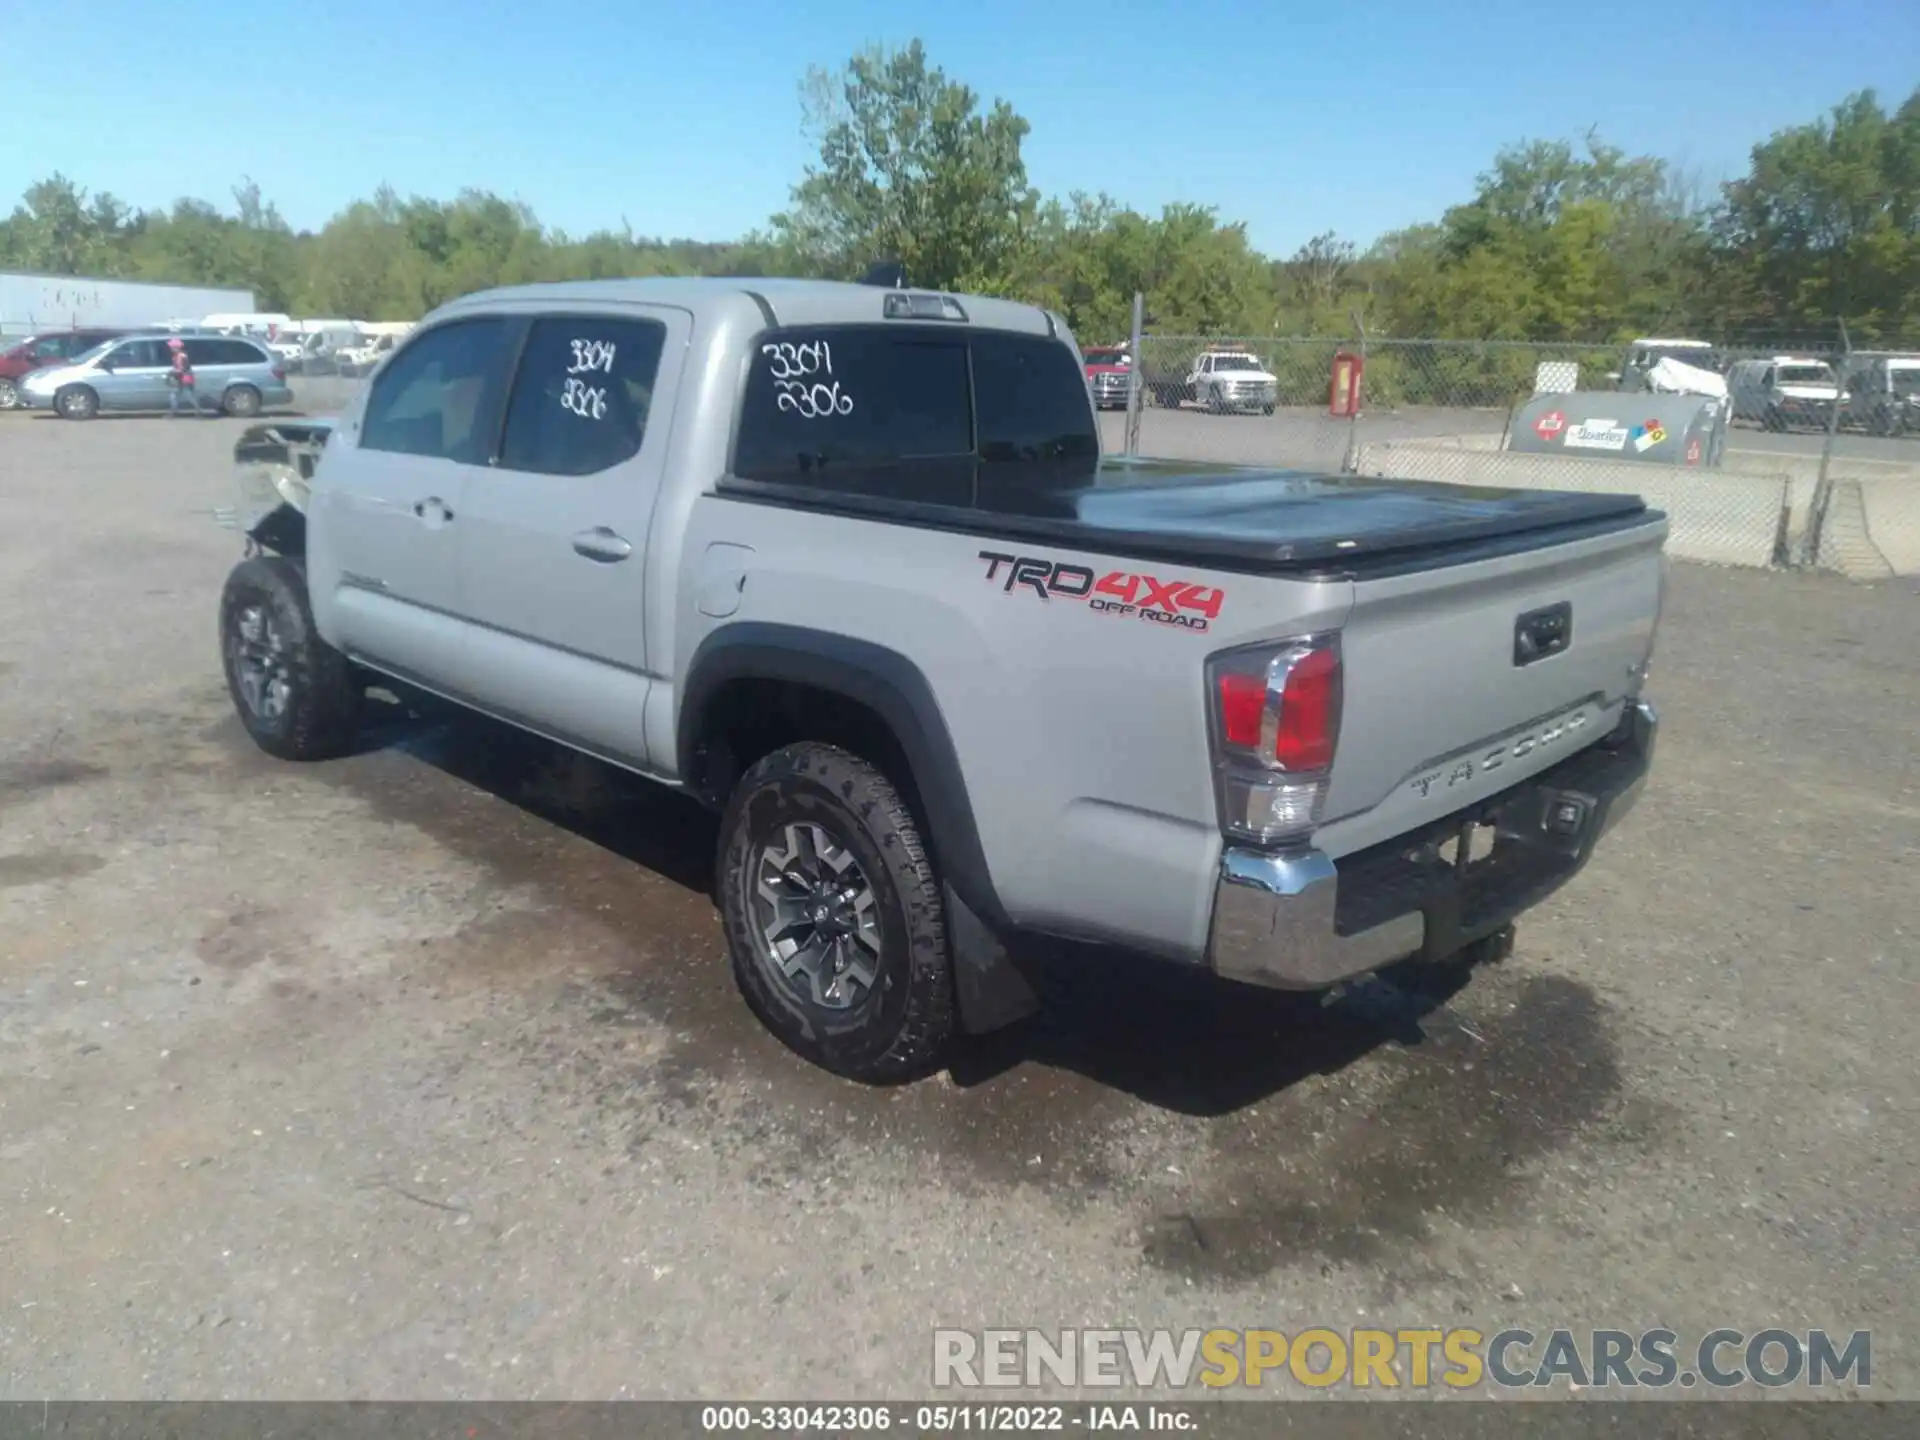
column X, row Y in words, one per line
column 1259, row 521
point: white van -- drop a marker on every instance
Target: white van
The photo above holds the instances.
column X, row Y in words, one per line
column 1783, row 392
column 313, row 345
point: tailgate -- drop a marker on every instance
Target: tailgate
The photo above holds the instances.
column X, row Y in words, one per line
column 1447, row 702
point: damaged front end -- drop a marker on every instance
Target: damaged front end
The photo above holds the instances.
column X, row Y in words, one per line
column 273, row 468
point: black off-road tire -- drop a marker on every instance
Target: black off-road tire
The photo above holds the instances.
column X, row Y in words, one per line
column 321, row 716
column 901, row 1027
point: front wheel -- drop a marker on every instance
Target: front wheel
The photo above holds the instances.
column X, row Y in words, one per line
column 298, row 697
column 833, row 914
column 77, row 402
column 9, row 394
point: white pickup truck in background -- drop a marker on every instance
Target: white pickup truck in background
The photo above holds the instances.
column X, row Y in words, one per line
column 1230, row 381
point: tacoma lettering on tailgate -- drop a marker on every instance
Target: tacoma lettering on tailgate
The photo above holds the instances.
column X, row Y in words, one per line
column 1179, row 603
column 1538, row 737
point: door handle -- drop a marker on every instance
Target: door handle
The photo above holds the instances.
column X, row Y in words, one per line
column 433, row 510
column 602, row 545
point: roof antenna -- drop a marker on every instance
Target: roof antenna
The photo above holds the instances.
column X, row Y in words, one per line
column 889, row 274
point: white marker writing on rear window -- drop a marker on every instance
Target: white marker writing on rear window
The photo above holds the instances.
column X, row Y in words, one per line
column 801, row 384
column 591, row 355
column 589, row 402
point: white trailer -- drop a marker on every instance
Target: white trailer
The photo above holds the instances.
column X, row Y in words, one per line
column 34, row 303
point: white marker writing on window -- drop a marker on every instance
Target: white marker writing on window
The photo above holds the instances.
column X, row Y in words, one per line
column 589, row 402
column 788, row 361
column 814, row 402
column 591, row 355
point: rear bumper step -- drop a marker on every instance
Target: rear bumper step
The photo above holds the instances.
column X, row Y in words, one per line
column 1298, row 920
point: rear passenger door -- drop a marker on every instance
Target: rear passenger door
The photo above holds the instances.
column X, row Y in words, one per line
column 553, row 548
column 390, row 504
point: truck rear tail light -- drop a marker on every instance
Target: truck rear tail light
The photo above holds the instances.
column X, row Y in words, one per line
column 1275, row 723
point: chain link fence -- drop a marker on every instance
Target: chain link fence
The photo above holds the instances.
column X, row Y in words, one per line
column 1809, row 455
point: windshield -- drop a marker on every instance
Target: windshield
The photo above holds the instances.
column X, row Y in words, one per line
column 1803, row 375
column 1106, row 357
column 1235, row 362
column 1904, row 379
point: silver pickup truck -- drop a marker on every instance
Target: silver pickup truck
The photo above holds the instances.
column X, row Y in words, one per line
column 845, row 564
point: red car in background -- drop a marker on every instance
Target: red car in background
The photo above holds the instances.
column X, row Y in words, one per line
column 1109, row 369
column 34, row 352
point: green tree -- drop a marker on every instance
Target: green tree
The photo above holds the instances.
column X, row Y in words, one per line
column 57, row 230
column 910, row 169
column 1558, row 243
column 1826, row 223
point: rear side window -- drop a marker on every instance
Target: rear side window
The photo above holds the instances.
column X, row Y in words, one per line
column 861, row 409
column 582, row 395
column 223, row 352
column 435, row 396
column 1035, row 418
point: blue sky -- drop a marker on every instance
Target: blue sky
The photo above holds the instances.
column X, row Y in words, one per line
column 684, row 119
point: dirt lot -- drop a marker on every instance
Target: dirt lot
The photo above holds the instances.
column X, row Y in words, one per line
column 420, row 1074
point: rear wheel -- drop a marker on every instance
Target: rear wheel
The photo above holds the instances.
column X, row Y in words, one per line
column 77, row 402
column 1774, row 419
column 298, row 697
column 241, row 401
column 833, row 915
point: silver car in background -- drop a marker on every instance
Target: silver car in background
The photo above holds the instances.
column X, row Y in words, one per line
column 239, row 376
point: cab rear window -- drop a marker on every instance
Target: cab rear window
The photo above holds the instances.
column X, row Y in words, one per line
column 920, row 413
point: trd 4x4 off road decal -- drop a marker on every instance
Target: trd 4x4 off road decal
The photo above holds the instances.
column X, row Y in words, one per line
column 1179, row 603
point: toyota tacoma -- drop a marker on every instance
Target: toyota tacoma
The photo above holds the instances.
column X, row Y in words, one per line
column 845, row 564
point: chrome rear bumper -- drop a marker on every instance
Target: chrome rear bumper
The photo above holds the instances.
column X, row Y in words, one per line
column 1298, row 920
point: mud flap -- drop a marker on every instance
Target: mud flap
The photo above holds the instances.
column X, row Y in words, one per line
column 991, row 990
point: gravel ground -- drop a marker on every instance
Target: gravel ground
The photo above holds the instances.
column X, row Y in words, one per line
column 420, row 1075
